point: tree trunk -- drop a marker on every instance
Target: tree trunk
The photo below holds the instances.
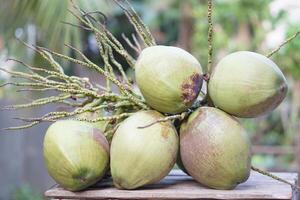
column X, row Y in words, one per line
column 186, row 26
column 243, row 37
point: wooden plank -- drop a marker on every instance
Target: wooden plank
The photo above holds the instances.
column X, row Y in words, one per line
column 178, row 185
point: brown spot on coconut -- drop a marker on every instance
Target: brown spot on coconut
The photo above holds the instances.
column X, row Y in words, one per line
column 191, row 88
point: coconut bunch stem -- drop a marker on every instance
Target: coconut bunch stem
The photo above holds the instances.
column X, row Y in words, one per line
column 285, row 42
column 142, row 30
column 294, row 186
column 209, row 36
column 180, row 117
column 78, row 93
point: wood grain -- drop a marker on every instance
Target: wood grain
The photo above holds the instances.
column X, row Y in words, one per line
column 178, row 185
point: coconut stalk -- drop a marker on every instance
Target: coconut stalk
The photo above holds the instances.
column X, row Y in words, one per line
column 81, row 95
column 78, row 93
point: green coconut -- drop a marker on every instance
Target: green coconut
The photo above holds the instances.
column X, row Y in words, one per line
column 247, row 84
column 140, row 156
column 215, row 149
column 169, row 78
column 76, row 154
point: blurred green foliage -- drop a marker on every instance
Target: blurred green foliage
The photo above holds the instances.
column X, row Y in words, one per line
column 26, row 192
column 291, row 64
column 40, row 22
column 237, row 26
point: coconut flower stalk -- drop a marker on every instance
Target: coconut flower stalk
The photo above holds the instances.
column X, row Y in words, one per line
column 78, row 92
column 82, row 96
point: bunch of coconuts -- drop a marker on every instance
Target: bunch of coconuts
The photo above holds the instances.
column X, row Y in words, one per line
column 210, row 144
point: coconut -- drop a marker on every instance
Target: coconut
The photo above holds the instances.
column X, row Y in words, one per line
column 169, row 78
column 215, row 149
column 76, row 154
column 247, row 84
column 141, row 156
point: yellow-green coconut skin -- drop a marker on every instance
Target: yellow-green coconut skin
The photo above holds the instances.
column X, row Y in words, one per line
column 247, row 84
column 169, row 78
column 215, row 149
column 142, row 156
column 76, row 154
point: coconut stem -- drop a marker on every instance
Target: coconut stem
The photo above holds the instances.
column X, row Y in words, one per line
column 106, row 36
column 209, row 36
column 275, row 177
column 131, row 45
column 142, row 30
column 106, row 118
column 168, row 118
column 89, row 64
column 79, row 93
column 110, row 133
column 92, row 107
column 288, row 40
column 38, row 102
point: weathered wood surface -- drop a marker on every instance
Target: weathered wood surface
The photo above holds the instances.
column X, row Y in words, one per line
column 177, row 185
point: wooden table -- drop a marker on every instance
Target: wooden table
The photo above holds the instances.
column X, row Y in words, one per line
column 178, row 185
